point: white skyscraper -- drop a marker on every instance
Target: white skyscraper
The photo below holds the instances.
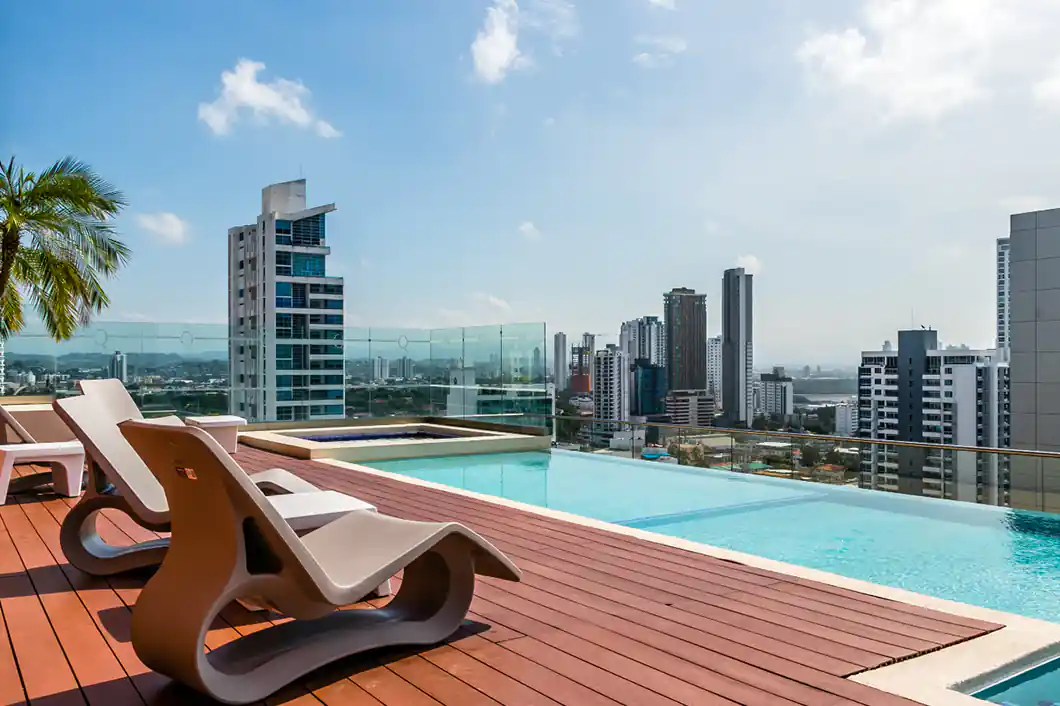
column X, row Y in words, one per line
column 714, row 369
column 610, row 389
column 560, row 362
column 643, row 338
column 285, row 314
column 1004, row 308
column 119, row 368
column 922, row 393
column 380, row 369
column 406, row 369
column 778, row 394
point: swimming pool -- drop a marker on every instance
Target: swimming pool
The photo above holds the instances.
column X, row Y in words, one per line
column 1036, row 687
column 992, row 557
column 419, row 434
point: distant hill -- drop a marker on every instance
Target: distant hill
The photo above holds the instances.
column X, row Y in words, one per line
column 825, row 386
column 102, row 360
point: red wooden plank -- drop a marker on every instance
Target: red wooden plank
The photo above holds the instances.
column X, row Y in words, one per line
column 42, row 664
column 500, row 687
column 438, row 683
column 11, row 691
column 95, row 667
column 390, row 689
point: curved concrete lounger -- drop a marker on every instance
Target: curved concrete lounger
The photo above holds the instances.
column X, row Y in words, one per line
column 119, row 479
column 229, row 542
column 32, row 480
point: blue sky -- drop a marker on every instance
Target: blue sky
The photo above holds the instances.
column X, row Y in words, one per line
column 565, row 160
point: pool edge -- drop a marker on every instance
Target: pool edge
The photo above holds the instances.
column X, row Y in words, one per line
column 933, row 679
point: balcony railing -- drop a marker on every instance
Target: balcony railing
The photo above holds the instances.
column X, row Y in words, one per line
column 1019, row 478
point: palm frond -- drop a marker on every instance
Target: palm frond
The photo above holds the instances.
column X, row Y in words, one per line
column 57, row 240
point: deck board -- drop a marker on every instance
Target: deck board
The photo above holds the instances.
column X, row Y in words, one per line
column 601, row 619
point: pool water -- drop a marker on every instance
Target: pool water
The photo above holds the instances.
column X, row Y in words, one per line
column 378, row 436
column 1035, row 687
column 992, row 557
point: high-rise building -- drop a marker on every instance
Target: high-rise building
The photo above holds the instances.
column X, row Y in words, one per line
column 610, row 390
column 714, row 369
column 406, row 369
column 921, row 393
column 1004, row 308
column 560, row 366
column 380, row 369
column 119, row 368
column 778, row 394
column 1034, row 345
column 644, row 338
column 846, row 419
column 285, row 315
column 649, row 389
column 737, row 346
column 694, row 408
column 581, row 364
column 685, row 314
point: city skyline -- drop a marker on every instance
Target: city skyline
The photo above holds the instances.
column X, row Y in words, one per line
column 589, row 132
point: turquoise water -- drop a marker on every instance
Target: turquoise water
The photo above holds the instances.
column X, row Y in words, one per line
column 992, row 557
column 1036, row 687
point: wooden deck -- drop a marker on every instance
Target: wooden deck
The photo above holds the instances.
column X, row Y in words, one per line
column 600, row 619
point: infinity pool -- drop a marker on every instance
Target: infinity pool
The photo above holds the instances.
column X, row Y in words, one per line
column 992, row 557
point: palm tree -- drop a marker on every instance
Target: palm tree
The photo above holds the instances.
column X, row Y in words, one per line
column 57, row 241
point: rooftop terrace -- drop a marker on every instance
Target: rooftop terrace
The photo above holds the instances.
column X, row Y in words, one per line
column 601, row 617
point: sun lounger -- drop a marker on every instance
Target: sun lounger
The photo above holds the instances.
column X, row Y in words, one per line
column 228, row 541
column 118, row 478
column 68, row 457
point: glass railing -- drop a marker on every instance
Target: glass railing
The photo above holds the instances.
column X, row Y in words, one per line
column 322, row 371
column 1017, row 478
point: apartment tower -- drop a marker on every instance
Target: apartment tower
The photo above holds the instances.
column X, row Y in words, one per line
column 285, row 315
column 737, row 346
column 685, row 330
column 922, row 393
column 560, row 365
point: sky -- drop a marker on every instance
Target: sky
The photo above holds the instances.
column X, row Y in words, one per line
column 565, row 161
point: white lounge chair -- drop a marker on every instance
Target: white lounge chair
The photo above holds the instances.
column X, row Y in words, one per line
column 228, row 542
column 66, row 460
column 118, row 478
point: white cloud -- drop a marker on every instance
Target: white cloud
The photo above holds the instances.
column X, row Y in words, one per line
column 665, row 4
column 658, row 52
column 751, row 263
column 495, row 50
column 280, row 100
column 492, row 301
column 529, row 231
column 167, row 228
column 923, row 59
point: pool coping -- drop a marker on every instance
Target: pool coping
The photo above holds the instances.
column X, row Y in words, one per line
column 941, row 678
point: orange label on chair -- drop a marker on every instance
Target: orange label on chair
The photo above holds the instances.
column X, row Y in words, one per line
column 188, row 473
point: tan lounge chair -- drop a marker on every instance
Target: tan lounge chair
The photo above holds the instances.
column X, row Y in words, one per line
column 66, row 457
column 229, row 542
column 118, row 478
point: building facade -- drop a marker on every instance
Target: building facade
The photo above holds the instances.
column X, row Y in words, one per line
column 714, row 369
column 1034, row 288
column 920, row 393
column 285, row 315
column 737, row 346
column 649, row 389
column 846, row 419
column 1004, row 304
column 611, row 391
column 778, row 394
column 693, row 408
column 560, row 365
column 119, row 367
column 644, row 338
column 685, row 314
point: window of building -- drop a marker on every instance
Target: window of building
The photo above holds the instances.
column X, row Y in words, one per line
column 283, row 295
column 283, row 263
column 305, row 265
column 283, row 227
column 329, row 409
